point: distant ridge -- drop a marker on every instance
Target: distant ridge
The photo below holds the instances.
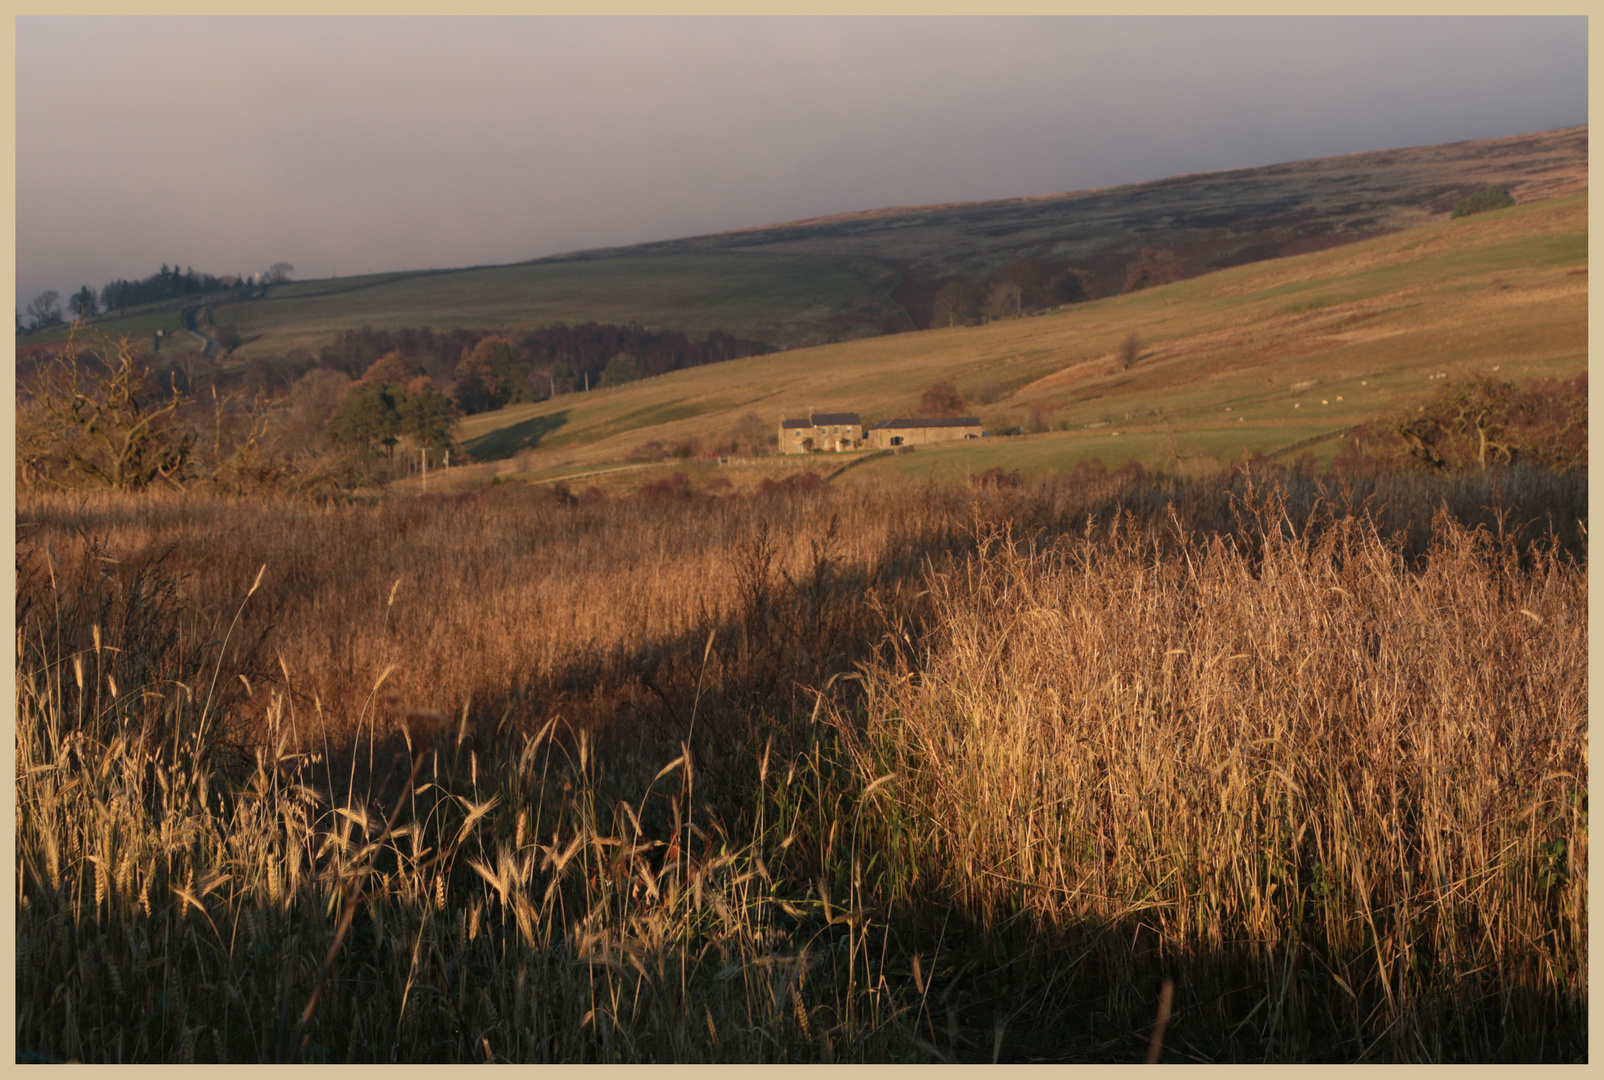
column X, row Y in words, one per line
column 1560, row 169
column 868, row 273
column 1213, row 219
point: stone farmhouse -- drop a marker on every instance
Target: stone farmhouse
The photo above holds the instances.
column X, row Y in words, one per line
column 822, row 431
column 919, row 430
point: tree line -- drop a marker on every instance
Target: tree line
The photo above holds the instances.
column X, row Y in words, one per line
column 419, row 395
column 532, row 364
column 1029, row 285
column 168, row 283
column 118, row 416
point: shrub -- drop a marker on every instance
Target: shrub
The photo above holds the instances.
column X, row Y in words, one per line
column 796, row 483
column 942, row 399
column 1130, row 350
column 995, row 477
column 1478, row 423
column 1492, row 197
column 99, row 422
column 675, row 487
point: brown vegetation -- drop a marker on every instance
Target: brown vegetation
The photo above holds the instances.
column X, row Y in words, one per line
column 97, row 419
column 1479, row 423
column 1130, row 351
column 902, row 774
column 942, row 399
column 1154, row 266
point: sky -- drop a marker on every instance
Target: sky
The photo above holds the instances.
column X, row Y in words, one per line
column 350, row 145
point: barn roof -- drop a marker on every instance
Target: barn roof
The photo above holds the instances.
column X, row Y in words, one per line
column 929, row 422
column 822, row 418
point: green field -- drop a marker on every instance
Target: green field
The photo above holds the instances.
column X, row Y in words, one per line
column 1249, row 359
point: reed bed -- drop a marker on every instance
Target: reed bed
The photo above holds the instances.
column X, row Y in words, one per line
column 902, row 774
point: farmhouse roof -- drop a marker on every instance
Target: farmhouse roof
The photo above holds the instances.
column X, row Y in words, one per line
column 820, row 419
column 788, row 424
column 929, row 422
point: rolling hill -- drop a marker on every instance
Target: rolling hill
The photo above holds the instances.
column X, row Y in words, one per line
column 870, row 273
column 1253, row 358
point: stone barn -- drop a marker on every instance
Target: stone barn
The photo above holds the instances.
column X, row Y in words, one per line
column 921, row 430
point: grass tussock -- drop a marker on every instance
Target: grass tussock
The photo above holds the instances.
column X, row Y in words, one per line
column 869, row 775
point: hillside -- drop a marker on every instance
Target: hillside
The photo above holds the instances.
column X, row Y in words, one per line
column 1252, row 358
column 869, row 273
column 1213, row 220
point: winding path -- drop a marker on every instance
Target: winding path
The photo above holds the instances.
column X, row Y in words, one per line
column 213, row 346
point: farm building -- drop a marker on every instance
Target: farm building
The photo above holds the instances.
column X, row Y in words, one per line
column 821, row 431
column 919, row 430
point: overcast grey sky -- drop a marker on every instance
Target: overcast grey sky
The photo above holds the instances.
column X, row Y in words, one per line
column 350, row 145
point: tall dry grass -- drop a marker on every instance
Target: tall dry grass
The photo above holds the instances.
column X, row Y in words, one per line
column 901, row 774
column 1293, row 762
column 178, row 904
column 504, row 600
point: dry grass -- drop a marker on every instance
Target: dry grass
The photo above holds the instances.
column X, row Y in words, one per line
column 1368, row 784
column 871, row 774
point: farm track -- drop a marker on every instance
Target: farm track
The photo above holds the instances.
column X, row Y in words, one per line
column 210, row 345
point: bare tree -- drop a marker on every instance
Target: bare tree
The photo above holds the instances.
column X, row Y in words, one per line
column 277, row 274
column 312, row 401
column 45, row 309
column 1154, row 266
column 1003, row 300
column 110, row 428
column 1033, row 277
column 1130, row 350
column 957, row 303
column 1041, row 414
column 751, row 434
column 942, row 399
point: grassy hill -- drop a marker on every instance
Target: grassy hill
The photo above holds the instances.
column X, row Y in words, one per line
column 1213, row 220
column 1247, row 359
column 784, row 300
column 868, row 273
column 781, row 299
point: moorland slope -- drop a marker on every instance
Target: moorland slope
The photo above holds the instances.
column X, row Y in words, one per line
column 1249, row 359
column 869, row 273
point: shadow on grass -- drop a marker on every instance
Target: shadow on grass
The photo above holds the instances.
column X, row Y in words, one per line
column 1001, row 983
column 507, row 441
